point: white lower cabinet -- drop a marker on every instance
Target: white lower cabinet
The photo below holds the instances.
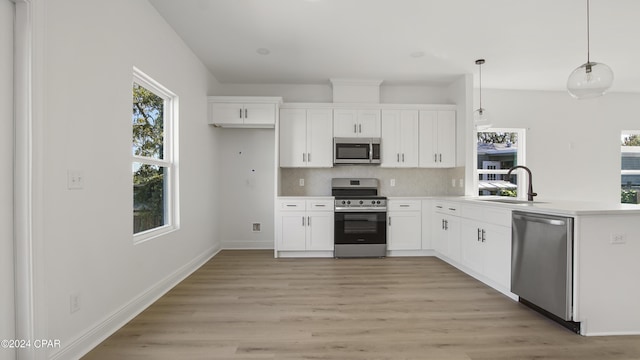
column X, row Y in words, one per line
column 404, row 225
column 427, row 222
column 446, row 230
column 319, row 233
column 486, row 243
column 304, row 225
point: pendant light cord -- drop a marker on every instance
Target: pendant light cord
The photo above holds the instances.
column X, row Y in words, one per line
column 588, row 50
column 480, row 72
column 479, row 62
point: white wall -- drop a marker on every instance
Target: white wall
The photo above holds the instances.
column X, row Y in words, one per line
column 246, row 187
column 7, row 311
column 392, row 94
column 91, row 47
column 573, row 146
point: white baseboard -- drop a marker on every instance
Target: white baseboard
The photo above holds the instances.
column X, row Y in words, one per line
column 247, row 245
column 94, row 336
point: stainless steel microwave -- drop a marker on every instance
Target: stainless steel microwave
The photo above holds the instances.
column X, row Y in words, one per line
column 356, row 151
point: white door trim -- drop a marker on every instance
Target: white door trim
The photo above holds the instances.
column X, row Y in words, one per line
column 28, row 247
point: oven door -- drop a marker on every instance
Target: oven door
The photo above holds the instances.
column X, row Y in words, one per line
column 360, row 228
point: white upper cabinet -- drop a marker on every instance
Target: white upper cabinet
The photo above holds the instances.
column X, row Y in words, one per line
column 437, row 139
column 399, row 138
column 356, row 123
column 240, row 111
column 306, row 138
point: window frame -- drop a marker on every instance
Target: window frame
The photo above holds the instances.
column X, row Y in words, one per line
column 635, row 149
column 521, row 160
column 169, row 161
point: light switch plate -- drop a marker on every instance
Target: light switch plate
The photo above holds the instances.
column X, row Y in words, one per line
column 618, row 239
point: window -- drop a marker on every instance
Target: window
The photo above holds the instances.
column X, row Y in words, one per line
column 497, row 150
column 153, row 166
column 630, row 166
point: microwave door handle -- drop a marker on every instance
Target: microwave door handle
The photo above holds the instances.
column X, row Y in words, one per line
column 370, row 151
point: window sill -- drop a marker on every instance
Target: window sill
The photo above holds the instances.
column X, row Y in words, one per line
column 147, row 235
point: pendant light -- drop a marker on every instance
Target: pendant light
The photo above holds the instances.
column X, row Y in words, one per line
column 480, row 116
column 590, row 79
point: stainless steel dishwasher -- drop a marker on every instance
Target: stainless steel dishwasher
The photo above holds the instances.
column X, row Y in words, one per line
column 542, row 263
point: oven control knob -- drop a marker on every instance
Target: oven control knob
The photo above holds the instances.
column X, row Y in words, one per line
column 348, row 202
column 343, row 202
column 378, row 202
column 361, row 202
column 373, row 201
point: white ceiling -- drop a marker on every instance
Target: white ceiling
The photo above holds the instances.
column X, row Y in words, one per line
column 531, row 44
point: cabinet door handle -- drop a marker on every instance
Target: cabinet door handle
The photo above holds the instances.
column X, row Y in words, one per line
column 404, row 205
column 240, row 113
column 360, row 128
column 435, row 157
column 483, row 234
column 389, row 220
column 452, row 209
column 308, row 220
column 478, row 234
column 291, row 205
column 304, row 157
column 303, row 221
column 440, row 157
column 439, row 206
column 446, row 224
column 308, row 157
column 442, row 224
column 246, row 113
column 402, row 157
column 355, row 128
column 397, row 157
column 319, row 205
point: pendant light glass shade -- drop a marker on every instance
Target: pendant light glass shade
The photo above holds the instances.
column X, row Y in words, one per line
column 481, row 119
column 481, row 116
column 590, row 80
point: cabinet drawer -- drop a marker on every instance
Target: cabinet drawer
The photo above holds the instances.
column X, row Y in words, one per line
column 444, row 207
column 320, row 205
column 404, row 205
column 291, row 205
column 487, row 214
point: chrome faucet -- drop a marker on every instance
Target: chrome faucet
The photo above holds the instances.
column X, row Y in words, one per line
column 530, row 193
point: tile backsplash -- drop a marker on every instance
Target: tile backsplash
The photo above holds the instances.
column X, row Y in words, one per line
column 408, row 182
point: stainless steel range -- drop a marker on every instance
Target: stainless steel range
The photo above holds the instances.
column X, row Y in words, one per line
column 360, row 218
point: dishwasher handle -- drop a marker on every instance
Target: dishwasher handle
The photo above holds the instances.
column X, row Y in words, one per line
column 540, row 220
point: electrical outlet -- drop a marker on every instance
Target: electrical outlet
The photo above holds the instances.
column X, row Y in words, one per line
column 301, row 182
column 617, row 239
column 255, row 227
column 74, row 302
column 393, row 182
column 75, row 180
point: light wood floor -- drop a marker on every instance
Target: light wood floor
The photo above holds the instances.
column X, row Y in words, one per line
column 248, row 305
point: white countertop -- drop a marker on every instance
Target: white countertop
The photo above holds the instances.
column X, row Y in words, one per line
column 557, row 207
